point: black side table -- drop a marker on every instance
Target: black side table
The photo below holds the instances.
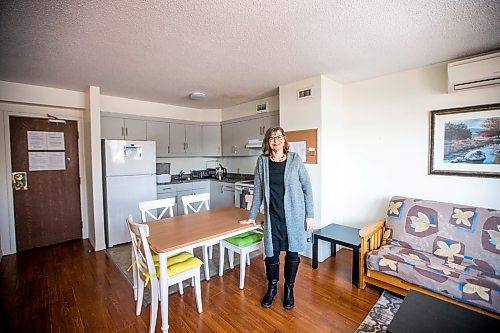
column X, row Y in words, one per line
column 342, row 235
column 423, row 313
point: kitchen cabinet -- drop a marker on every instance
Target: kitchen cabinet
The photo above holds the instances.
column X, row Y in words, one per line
column 211, row 140
column 177, row 191
column 268, row 122
column 235, row 135
column 123, row 128
column 185, row 139
column 221, row 194
column 159, row 132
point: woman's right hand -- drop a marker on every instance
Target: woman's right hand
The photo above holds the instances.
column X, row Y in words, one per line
column 247, row 221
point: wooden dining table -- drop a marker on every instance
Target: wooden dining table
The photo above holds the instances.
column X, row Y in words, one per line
column 181, row 233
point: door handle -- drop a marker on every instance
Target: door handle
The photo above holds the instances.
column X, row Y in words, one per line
column 19, row 181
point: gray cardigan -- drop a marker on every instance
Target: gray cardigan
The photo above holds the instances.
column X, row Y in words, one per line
column 298, row 202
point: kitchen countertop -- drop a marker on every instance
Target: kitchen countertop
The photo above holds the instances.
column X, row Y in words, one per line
column 224, row 180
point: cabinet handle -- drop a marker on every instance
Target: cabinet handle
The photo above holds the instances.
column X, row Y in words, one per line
column 222, row 189
column 168, row 149
column 126, row 131
column 122, row 132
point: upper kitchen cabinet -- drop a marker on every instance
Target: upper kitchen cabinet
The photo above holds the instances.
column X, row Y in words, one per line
column 237, row 133
column 268, row 122
column 211, row 140
column 159, row 132
column 185, row 139
column 123, row 128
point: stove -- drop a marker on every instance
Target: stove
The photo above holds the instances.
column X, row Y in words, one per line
column 241, row 189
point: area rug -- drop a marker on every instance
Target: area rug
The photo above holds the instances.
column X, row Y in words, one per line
column 380, row 316
column 120, row 256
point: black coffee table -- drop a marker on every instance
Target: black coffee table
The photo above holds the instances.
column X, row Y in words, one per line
column 423, row 313
column 342, row 235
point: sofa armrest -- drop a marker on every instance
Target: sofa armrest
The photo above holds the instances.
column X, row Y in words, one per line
column 371, row 238
column 368, row 230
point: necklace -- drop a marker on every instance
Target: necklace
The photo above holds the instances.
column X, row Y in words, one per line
column 281, row 159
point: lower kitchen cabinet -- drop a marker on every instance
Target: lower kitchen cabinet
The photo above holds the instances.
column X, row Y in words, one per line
column 177, row 191
column 221, row 194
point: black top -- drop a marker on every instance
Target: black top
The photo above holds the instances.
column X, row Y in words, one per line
column 276, row 205
column 424, row 313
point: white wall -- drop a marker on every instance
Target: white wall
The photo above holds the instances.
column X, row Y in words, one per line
column 306, row 114
column 151, row 109
column 387, row 142
column 332, row 152
column 248, row 109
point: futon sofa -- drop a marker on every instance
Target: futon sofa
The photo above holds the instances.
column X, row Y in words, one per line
column 447, row 250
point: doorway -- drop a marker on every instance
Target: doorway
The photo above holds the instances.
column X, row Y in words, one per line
column 46, row 182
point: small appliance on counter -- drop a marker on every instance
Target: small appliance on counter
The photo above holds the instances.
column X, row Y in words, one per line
column 200, row 174
column 221, row 172
column 163, row 173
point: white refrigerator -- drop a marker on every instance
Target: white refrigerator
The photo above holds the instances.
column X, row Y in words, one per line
column 129, row 177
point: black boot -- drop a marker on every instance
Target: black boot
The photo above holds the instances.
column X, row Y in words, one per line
column 273, row 275
column 291, row 268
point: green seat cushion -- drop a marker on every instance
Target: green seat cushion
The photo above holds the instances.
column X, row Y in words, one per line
column 245, row 239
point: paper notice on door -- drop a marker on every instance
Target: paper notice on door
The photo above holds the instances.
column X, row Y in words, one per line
column 299, row 147
column 55, row 140
column 38, row 140
column 42, row 161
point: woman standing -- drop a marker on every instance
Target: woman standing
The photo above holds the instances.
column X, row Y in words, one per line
column 282, row 182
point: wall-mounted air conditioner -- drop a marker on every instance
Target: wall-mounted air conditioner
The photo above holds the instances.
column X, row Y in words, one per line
column 477, row 72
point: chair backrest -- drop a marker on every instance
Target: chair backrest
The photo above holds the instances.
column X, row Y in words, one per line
column 200, row 199
column 151, row 208
column 139, row 234
column 248, row 201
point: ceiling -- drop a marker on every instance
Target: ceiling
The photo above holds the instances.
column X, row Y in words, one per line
column 234, row 51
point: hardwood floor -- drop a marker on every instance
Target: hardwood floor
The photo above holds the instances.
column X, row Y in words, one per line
column 64, row 288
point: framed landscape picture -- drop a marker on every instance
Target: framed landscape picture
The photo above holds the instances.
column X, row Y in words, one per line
column 465, row 141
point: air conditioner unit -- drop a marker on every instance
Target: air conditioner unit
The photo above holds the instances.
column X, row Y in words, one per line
column 476, row 72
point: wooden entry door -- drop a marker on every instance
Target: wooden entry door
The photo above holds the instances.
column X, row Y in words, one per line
column 47, row 211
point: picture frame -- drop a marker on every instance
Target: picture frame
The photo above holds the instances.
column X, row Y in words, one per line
column 465, row 141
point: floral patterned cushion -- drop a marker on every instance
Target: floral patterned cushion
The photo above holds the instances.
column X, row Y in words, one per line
column 448, row 248
column 470, row 280
column 444, row 229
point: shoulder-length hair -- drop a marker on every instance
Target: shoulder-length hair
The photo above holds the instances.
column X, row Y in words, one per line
column 266, row 149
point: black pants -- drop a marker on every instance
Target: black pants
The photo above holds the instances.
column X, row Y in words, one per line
column 275, row 259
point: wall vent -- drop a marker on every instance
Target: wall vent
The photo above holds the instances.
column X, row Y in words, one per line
column 304, row 93
column 261, row 107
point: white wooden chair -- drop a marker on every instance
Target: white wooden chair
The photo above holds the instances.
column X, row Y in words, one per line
column 150, row 209
column 243, row 244
column 154, row 210
column 184, row 267
column 194, row 204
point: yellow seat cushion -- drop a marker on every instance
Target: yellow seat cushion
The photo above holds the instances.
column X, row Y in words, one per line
column 178, row 263
column 245, row 239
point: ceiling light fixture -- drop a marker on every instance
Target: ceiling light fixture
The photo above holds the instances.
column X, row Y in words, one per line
column 195, row 96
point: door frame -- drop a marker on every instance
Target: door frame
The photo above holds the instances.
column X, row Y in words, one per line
column 33, row 111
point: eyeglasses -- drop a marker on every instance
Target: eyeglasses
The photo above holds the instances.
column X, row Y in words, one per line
column 276, row 138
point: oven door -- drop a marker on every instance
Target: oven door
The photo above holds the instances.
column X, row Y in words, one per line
column 239, row 195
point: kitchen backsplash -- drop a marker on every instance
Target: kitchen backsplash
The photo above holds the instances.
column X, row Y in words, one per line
column 242, row 165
